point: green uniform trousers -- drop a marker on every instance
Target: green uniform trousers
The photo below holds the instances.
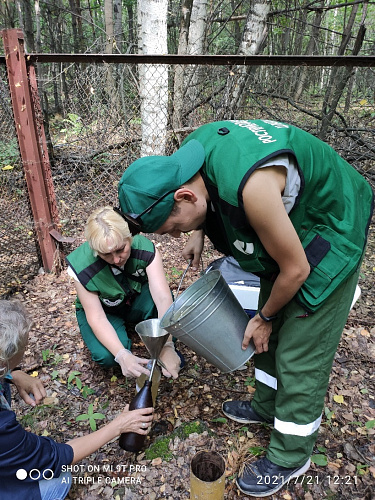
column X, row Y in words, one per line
column 142, row 308
column 292, row 377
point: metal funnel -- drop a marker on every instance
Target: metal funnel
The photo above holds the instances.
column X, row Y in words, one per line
column 152, row 336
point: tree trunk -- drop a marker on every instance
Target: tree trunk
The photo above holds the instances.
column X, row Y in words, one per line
column 117, row 9
column 76, row 25
column 26, row 23
column 254, row 36
column 334, row 92
column 131, row 35
column 178, row 94
column 311, row 50
column 153, row 79
column 109, row 28
column 196, row 46
column 110, row 42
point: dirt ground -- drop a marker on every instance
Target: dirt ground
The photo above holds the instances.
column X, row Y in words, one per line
column 188, row 414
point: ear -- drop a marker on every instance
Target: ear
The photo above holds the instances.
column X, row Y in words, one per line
column 185, row 194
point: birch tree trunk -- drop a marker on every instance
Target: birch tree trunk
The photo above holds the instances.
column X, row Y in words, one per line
column 153, row 79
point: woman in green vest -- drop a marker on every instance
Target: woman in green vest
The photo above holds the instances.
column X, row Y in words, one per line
column 118, row 279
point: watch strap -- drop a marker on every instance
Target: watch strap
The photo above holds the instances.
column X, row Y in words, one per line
column 267, row 319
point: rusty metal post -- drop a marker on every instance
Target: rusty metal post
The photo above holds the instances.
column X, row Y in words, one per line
column 32, row 143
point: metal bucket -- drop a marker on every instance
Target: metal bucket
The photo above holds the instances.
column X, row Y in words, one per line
column 208, row 318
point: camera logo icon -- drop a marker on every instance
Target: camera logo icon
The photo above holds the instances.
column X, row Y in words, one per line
column 34, row 474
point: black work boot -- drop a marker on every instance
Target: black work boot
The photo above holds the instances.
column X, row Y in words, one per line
column 241, row 411
column 263, row 478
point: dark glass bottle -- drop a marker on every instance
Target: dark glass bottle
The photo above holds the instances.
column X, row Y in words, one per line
column 131, row 441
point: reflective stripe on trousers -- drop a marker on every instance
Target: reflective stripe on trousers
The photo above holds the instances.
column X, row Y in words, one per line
column 292, row 376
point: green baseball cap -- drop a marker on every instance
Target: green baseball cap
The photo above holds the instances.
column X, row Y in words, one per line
column 152, row 181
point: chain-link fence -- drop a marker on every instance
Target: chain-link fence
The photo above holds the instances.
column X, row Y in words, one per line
column 101, row 115
column 19, row 255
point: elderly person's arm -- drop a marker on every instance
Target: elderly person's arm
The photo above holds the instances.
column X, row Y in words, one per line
column 127, row 421
column 162, row 297
column 131, row 365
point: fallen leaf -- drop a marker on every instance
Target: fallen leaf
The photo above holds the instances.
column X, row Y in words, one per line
column 49, row 400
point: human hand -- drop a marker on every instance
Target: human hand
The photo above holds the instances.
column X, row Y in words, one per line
column 171, row 360
column 138, row 421
column 259, row 331
column 131, row 366
column 193, row 248
column 27, row 386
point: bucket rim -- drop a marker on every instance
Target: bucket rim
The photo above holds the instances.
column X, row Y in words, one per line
column 214, row 275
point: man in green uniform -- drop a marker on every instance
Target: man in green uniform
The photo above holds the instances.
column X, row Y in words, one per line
column 292, row 211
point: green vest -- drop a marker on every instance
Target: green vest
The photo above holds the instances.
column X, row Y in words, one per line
column 331, row 214
column 115, row 291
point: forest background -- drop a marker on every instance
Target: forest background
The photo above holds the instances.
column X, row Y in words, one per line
column 100, row 116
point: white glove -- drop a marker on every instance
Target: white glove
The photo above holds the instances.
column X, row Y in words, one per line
column 131, row 366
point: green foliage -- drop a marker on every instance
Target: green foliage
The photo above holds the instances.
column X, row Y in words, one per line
column 362, row 469
column 319, row 459
column 73, row 378
column 328, row 414
column 87, row 391
column 220, row 420
column 91, row 416
column 257, row 450
column 34, row 415
column 74, row 127
column 160, row 448
column 370, row 424
column 184, row 430
column 50, row 356
column 9, row 152
column 250, row 381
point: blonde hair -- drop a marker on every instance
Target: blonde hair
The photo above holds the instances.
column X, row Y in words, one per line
column 15, row 324
column 106, row 230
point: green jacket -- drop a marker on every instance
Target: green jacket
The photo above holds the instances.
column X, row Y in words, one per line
column 331, row 214
column 115, row 291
